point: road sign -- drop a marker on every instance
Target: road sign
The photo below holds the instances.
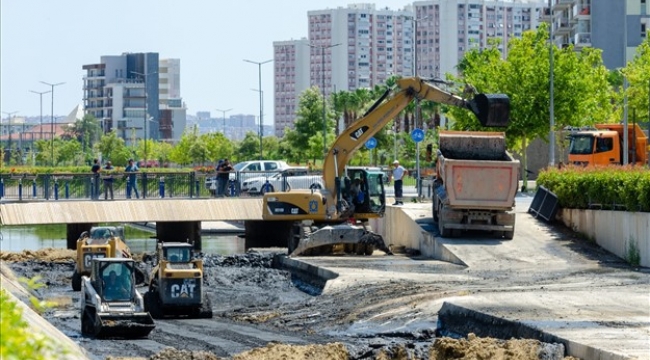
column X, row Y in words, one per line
column 417, row 135
column 371, row 143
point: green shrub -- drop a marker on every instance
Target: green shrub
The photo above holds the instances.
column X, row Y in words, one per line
column 611, row 188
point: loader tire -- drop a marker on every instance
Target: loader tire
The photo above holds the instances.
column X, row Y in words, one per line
column 369, row 250
column 76, row 281
column 88, row 322
column 205, row 312
column 152, row 304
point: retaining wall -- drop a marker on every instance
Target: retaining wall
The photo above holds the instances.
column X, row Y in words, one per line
column 613, row 230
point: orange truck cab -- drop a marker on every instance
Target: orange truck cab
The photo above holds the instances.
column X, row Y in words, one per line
column 603, row 145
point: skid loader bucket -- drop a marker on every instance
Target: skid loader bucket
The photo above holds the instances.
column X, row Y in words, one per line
column 492, row 110
column 339, row 234
column 132, row 326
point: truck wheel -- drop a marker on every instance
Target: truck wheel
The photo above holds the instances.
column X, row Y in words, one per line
column 435, row 211
column 444, row 232
column 369, row 249
column 76, row 281
column 509, row 235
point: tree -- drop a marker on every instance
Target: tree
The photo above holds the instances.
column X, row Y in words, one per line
column 217, row 146
column 637, row 73
column 85, row 130
column 249, row 148
column 112, row 147
column 70, row 152
column 180, row 154
column 309, row 121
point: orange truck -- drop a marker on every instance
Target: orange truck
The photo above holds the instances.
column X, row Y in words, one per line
column 603, row 145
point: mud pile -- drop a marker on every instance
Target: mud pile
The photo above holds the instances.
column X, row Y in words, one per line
column 49, row 254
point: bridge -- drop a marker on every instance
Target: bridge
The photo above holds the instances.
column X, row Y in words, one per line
column 176, row 219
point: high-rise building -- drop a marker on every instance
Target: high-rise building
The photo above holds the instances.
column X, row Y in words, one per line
column 603, row 24
column 347, row 48
column 116, row 89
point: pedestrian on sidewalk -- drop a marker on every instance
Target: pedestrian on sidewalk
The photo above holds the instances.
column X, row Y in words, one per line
column 108, row 180
column 132, row 179
column 398, row 174
column 94, row 193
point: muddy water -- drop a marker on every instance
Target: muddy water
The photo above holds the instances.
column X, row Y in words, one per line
column 19, row 238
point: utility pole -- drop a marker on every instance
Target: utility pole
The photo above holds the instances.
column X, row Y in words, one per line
column 40, row 93
column 551, row 135
column 625, row 85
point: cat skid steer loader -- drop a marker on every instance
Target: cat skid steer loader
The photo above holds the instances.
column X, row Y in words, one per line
column 110, row 304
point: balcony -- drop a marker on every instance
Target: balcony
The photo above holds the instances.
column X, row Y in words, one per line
column 582, row 40
column 563, row 4
column 545, row 15
column 562, row 26
column 581, row 12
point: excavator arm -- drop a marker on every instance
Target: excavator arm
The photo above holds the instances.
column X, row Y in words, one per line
column 491, row 110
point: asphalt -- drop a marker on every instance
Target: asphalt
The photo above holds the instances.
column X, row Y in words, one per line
column 539, row 285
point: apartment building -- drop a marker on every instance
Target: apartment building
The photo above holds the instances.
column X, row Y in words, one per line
column 117, row 88
column 616, row 27
column 347, row 48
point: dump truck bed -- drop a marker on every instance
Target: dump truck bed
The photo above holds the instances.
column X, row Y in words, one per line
column 476, row 171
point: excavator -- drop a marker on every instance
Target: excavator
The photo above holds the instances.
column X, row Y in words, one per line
column 325, row 221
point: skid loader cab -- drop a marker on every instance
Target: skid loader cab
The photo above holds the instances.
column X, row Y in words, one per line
column 113, row 279
column 176, row 285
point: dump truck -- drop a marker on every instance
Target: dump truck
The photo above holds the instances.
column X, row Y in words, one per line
column 176, row 283
column 100, row 242
column 603, row 145
column 317, row 221
column 476, row 183
column 111, row 306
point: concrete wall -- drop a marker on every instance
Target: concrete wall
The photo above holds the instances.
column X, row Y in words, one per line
column 613, row 230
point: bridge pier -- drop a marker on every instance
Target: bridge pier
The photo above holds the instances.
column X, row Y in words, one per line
column 260, row 233
column 180, row 231
column 73, row 232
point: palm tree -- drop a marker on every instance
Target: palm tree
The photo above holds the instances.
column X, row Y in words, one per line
column 85, row 130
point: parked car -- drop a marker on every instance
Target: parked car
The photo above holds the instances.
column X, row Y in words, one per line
column 248, row 169
column 285, row 180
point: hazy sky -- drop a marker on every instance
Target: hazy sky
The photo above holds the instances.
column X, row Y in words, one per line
column 45, row 40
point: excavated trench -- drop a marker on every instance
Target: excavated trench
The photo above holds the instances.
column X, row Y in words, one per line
column 265, row 304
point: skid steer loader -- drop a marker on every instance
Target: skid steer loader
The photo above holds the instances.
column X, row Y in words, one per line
column 176, row 283
column 110, row 304
column 100, row 242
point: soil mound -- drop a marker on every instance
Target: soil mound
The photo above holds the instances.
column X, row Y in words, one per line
column 48, row 254
column 334, row 351
column 489, row 348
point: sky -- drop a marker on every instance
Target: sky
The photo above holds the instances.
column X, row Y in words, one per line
column 50, row 41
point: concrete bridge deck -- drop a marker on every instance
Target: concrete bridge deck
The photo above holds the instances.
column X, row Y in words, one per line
column 161, row 210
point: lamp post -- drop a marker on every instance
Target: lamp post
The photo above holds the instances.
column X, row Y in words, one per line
column 52, row 127
column 551, row 135
column 146, row 120
column 9, row 114
column 259, row 65
column 40, row 94
column 417, row 101
column 322, row 70
column 260, row 118
column 224, row 119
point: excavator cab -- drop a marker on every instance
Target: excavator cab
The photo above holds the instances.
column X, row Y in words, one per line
column 363, row 188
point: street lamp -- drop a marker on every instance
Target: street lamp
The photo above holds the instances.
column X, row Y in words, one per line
column 417, row 101
column 259, row 64
column 9, row 114
column 52, row 127
column 260, row 118
column 322, row 70
column 40, row 93
column 551, row 135
column 224, row 119
column 144, row 78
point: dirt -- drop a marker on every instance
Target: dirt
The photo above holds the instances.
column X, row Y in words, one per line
column 266, row 313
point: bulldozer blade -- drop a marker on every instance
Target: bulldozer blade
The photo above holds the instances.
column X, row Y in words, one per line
column 340, row 234
column 492, row 110
column 130, row 326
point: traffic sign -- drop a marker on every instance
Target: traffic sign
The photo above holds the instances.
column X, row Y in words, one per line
column 417, row 135
column 371, row 143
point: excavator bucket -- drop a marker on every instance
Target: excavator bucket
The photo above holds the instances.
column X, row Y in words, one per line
column 129, row 326
column 492, row 110
column 330, row 236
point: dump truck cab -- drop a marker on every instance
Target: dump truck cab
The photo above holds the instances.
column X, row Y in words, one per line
column 603, row 145
column 110, row 304
column 176, row 283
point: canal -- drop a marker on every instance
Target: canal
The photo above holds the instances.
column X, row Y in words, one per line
column 35, row 237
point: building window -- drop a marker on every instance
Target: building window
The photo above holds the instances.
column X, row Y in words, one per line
column 643, row 30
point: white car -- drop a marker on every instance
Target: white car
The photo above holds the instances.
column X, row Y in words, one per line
column 248, row 169
column 287, row 179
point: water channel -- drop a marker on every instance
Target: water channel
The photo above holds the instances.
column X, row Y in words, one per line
column 35, row 237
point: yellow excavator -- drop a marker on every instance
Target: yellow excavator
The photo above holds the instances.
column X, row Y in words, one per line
column 321, row 221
